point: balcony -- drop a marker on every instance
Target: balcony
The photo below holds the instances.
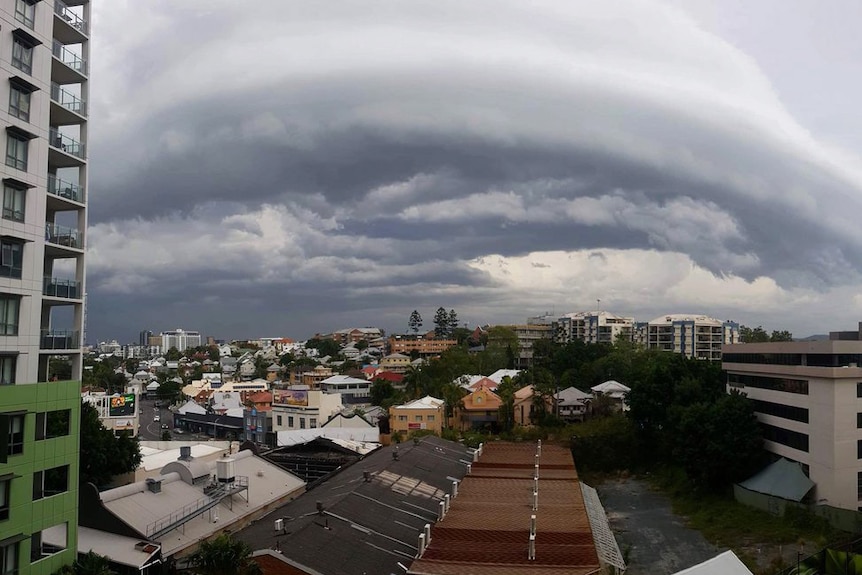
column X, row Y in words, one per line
column 54, row 339
column 74, row 29
column 63, row 236
column 64, row 189
column 56, row 287
column 68, row 101
column 67, row 67
column 65, row 152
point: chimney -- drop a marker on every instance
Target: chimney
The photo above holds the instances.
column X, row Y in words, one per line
column 446, row 500
column 454, row 489
column 469, row 468
column 442, row 512
column 185, row 453
column 154, row 485
column 428, row 533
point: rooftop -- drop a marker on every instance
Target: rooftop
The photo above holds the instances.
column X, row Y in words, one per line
column 487, row 529
column 352, row 524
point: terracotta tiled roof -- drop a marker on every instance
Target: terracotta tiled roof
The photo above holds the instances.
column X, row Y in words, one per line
column 487, row 529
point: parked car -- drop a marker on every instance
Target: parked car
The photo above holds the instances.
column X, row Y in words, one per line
column 178, row 431
column 157, row 417
column 164, row 426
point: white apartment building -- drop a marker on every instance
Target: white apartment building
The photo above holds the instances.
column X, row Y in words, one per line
column 592, row 327
column 180, row 339
column 44, row 54
column 299, row 407
column 694, row 336
column 808, row 399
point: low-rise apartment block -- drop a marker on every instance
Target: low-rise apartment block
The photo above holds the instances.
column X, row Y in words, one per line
column 298, row 407
column 422, row 346
column 694, row 336
column 808, row 399
column 592, row 327
column 426, row 413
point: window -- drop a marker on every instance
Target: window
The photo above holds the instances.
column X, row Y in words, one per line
column 431, row 418
column 11, row 258
column 859, row 421
column 50, row 482
column 25, row 12
column 859, row 389
column 290, row 421
column 9, row 305
column 15, row 445
column 9, row 559
column 22, row 55
column 312, row 423
column 5, row 486
column 48, row 542
column 8, row 363
column 52, row 424
column 302, row 423
column 19, row 102
column 859, row 486
column 278, row 420
column 859, row 449
column 780, row 410
column 402, row 418
column 418, row 418
column 786, row 437
column 16, row 151
column 13, row 203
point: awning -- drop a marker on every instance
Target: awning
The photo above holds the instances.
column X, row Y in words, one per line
column 784, row 479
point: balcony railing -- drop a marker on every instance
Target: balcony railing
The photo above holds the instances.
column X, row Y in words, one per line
column 65, row 189
column 67, row 144
column 56, row 287
column 69, row 58
column 63, row 236
column 73, row 19
column 68, row 100
column 53, row 339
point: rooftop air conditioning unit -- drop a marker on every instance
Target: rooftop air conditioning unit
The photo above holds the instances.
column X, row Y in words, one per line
column 279, row 524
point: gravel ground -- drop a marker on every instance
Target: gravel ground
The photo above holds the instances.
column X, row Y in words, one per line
column 652, row 539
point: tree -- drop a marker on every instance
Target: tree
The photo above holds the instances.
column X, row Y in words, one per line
column 755, row 335
column 719, row 443
column 453, row 322
column 324, row 346
column 173, row 354
column 382, row 393
column 102, row 454
column 783, row 335
column 169, row 391
column 415, row 322
column 224, row 556
column 166, row 435
column 92, row 564
column 506, row 391
column 441, row 323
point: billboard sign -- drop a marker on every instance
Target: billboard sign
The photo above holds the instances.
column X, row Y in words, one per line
column 291, row 397
column 122, row 405
column 411, row 426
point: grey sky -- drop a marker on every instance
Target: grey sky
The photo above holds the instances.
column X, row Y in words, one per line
column 306, row 166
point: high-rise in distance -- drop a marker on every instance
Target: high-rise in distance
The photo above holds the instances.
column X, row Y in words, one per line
column 44, row 55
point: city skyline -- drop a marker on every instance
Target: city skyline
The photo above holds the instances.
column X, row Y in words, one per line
column 302, row 166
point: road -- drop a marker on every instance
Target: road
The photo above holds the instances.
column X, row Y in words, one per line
column 152, row 430
column 653, row 540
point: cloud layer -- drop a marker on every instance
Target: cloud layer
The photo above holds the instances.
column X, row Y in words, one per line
column 308, row 165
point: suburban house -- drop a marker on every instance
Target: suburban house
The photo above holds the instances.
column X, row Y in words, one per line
column 426, row 413
column 479, row 409
column 614, row 390
column 397, row 362
column 572, row 404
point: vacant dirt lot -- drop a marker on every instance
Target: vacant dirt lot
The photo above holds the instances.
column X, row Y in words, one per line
column 653, row 539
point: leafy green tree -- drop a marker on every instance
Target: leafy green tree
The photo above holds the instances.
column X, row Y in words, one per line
column 361, row 344
column 753, row 335
column 719, row 443
column 324, row 346
column 102, row 454
column 224, row 556
column 173, row 354
column 506, row 391
column 213, row 353
column 166, row 435
column 93, row 564
column 382, row 393
column 783, row 335
column 441, row 323
column 415, row 322
column 169, row 391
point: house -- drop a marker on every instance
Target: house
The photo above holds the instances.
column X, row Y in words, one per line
column 246, row 369
column 426, row 413
column 572, row 404
column 523, row 406
column 614, row 390
column 272, row 372
column 479, row 409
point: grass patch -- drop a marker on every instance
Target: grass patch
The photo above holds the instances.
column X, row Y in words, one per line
column 727, row 523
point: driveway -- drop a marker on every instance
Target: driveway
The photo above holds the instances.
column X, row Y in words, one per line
column 652, row 539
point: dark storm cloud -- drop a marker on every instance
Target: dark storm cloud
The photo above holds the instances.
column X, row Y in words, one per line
column 331, row 155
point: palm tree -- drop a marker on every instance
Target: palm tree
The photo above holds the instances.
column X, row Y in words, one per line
column 224, row 556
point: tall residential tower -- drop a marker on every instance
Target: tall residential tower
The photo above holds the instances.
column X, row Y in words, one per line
column 44, row 53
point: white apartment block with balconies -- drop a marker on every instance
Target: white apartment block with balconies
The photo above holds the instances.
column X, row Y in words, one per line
column 694, row 336
column 180, row 339
column 592, row 327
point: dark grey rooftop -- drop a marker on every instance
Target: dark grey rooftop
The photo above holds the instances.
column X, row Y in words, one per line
column 366, row 526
